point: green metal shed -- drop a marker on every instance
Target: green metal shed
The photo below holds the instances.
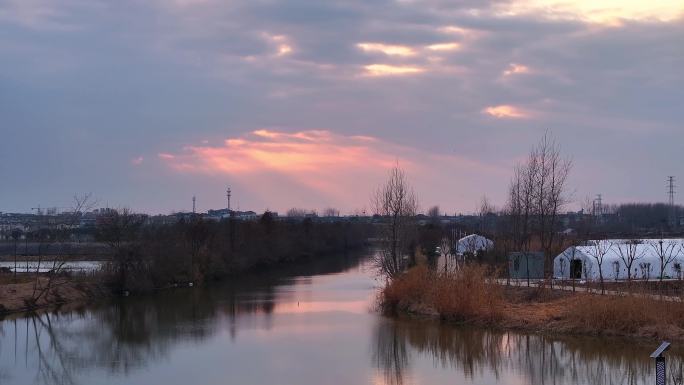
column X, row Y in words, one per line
column 526, row 265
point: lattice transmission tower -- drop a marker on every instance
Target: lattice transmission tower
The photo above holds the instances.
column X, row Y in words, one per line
column 671, row 190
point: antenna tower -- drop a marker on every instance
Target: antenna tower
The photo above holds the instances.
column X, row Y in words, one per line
column 228, row 196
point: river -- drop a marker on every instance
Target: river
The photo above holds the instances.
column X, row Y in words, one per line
column 315, row 324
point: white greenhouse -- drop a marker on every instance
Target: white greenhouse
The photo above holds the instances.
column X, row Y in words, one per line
column 581, row 262
column 472, row 244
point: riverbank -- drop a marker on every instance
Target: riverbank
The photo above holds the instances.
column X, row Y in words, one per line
column 468, row 297
column 231, row 325
column 81, row 289
column 25, row 294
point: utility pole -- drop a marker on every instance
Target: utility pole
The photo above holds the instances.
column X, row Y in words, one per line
column 228, row 196
column 193, row 204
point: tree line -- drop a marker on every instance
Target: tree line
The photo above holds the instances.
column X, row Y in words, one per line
column 195, row 250
column 529, row 221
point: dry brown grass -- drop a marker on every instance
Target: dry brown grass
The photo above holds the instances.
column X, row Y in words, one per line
column 467, row 296
column 9, row 278
column 19, row 297
column 464, row 295
column 625, row 315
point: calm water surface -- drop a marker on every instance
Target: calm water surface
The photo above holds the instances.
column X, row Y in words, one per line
column 316, row 326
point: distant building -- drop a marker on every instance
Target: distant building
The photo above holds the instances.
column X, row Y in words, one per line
column 221, row 213
column 244, row 215
column 161, row 220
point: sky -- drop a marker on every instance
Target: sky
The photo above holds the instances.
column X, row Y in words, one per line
column 308, row 103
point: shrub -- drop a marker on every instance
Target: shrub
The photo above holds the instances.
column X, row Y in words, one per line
column 466, row 295
column 629, row 314
column 463, row 295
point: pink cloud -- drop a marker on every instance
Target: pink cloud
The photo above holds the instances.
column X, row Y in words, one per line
column 137, row 161
column 506, row 111
column 515, row 69
column 165, row 156
column 335, row 169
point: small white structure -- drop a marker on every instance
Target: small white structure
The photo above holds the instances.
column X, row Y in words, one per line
column 580, row 262
column 473, row 244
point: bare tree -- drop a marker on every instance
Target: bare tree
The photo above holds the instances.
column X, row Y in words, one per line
column 551, row 195
column 667, row 251
column 296, row 212
column 646, row 269
column 119, row 229
column 359, row 212
column 598, row 249
column 16, row 234
column 42, row 288
column 486, row 207
column 630, row 252
column 446, row 249
column 397, row 204
column 484, row 211
column 330, row 212
column 519, row 205
column 537, row 193
column 433, row 212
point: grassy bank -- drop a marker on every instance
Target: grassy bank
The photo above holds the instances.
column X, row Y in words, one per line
column 467, row 296
column 24, row 293
column 33, row 292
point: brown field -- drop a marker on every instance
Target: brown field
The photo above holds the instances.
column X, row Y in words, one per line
column 20, row 296
column 467, row 296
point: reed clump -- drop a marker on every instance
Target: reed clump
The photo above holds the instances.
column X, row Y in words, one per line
column 470, row 295
column 465, row 295
column 631, row 314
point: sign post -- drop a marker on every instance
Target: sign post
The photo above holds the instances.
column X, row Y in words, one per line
column 660, row 372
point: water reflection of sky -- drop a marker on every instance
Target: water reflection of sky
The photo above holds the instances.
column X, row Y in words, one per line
column 318, row 328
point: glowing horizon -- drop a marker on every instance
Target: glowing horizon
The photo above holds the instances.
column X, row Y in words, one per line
column 319, row 161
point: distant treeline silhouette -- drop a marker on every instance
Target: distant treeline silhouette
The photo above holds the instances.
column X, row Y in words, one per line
column 144, row 257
